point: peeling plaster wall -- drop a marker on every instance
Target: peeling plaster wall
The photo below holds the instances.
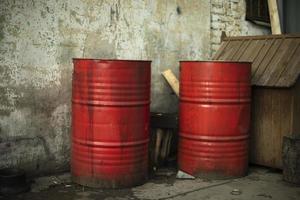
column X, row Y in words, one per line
column 38, row 38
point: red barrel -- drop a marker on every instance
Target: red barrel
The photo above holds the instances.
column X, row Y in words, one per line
column 214, row 118
column 110, row 122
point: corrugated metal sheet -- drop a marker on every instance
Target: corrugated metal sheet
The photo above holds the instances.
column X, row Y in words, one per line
column 275, row 58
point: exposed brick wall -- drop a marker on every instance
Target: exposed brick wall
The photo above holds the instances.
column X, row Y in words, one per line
column 229, row 16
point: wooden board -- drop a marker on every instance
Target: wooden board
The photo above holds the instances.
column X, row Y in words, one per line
column 296, row 110
column 221, row 50
column 242, row 50
column 281, row 58
column 268, row 43
column 232, row 49
column 252, row 51
column 265, row 63
column 277, row 73
column 274, row 17
column 292, row 71
column 271, row 57
column 172, row 80
column 271, row 120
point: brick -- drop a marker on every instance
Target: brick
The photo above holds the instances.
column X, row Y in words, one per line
column 217, row 3
column 234, row 13
column 234, row 6
column 216, row 33
column 225, row 18
column 215, row 17
column 217, row 25
column 217, row 10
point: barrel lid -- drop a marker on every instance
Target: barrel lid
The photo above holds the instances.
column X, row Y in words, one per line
column 100, row 59
column 215, row 61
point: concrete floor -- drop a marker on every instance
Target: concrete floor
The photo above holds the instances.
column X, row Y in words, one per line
column 260, row 184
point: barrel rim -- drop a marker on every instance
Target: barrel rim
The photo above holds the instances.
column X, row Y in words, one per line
column 105, row 60
column 216, row 61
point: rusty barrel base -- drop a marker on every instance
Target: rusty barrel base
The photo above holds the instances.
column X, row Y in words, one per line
column 109, row 184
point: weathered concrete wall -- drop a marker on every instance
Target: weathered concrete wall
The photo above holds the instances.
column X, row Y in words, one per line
column 229, row 16
column 38, row 38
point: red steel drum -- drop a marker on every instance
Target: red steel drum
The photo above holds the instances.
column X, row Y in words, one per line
column 110, row 122
column 214, row 118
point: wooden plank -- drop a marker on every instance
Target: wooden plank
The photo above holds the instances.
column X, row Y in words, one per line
column 262, row 37
column 272, row 57
column 248, row 51
column 275, row 65
column 261, row 121
column 274, row 17
column 230, row 50
column 283, row 64
column 289, row 76
column 296, row 110
column 236, row 47
column 261, row 56
column 264, row 64
column 274, row 131
column 242, row 49
column 172, row 80
column 270, row 106
column 251, row 52
column 220, row 50
column 256, row 49
column 281, row 122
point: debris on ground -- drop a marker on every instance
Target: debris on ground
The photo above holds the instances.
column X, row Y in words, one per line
column 43, row 183
column 236, row 192
column 265, row 195
column 165, row 172
column 184, row 175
